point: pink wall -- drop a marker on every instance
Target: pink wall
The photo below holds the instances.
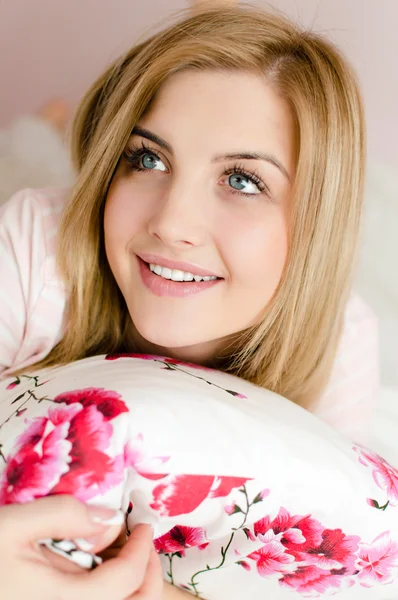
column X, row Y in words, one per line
column 54, row 48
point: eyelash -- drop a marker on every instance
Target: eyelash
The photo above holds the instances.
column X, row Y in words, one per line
column 133, row 154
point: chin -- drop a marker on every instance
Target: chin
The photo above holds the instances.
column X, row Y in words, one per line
column 180, row 342
column 168, row 337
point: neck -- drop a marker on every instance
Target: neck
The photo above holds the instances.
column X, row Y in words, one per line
column 213, row 354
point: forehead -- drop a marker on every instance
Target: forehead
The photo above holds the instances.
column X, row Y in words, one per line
column 222, row 111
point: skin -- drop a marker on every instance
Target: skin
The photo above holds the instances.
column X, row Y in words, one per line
column 184, row 208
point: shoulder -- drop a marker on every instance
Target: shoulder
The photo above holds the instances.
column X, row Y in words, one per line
column 41, row 204
column 31, row 314
column 30, row 220
column 349, row 400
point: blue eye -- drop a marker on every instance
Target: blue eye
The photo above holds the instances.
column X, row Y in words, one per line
column 241, row 181
column 245, row 183
column 143, row 159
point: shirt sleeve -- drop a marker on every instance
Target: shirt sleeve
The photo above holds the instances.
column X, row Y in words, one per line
column 21, row 273
column 349, row 401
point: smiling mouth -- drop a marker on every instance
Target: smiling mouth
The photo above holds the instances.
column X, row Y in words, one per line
column 163, row 281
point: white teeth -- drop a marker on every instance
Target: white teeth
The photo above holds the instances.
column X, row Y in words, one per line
column 177, row 275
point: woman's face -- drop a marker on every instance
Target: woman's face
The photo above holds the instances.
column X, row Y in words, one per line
column 202, row 190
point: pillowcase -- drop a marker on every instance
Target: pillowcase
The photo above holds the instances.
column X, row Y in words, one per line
column 250, row 495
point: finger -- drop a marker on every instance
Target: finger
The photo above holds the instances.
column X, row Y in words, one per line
column 153, row 585
column 124, row 574
column 114, row 547
column 52, row 517
column 85, row 552
column 59, row 562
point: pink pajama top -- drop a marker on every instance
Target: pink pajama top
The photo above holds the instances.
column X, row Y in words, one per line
column 33, row 298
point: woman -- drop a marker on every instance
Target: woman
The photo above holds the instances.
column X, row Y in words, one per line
column 214, row 219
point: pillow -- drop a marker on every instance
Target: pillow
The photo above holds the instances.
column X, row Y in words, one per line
column 250, row 495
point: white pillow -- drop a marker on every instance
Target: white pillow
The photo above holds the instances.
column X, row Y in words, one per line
column 250, row 495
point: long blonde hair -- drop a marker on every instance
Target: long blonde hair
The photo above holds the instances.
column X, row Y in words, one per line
column 292, row 350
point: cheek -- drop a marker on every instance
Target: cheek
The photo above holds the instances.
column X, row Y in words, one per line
column 119, row 228
column 126, row 214
column 258, row 251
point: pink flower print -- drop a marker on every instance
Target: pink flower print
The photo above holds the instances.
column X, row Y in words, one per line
column 12, row 385
column 311, row 530
column 307, row 541
column 244, row 564
column 249, row 534
column 325, row 548
column 41, row 458
column 283, row 527
column 27, row 477
column 67, row 451
column 107, row 402
column 384, row 475
column 146, row 466
column 179, row 538
column 92, row 470
column 230, row 509
column 378, row 561
column 33, row 434
column 223, row 486
column 203, row 546
column 337, row 551
column 263, row 494
column 182, row 494
column 313, row 581
column 372, row 503
column 271, row 558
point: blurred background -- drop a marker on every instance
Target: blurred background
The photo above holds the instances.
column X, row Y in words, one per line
column 50, row 52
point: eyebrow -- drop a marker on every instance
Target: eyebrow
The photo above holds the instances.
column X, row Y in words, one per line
column 149, row 135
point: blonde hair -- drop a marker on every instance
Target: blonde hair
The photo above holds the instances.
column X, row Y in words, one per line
column 292, row 350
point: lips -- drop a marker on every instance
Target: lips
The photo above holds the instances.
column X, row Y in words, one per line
column 167, row 287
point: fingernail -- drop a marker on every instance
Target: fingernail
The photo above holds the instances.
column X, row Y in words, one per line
column 83, row 544
column 105, row 516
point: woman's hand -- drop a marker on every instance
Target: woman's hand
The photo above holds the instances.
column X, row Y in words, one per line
column 28, row 572
column 170, row 592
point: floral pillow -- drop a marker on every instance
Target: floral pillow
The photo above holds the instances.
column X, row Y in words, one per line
column 250, row 495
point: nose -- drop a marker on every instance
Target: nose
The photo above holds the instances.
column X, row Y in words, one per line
column 179, row 219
